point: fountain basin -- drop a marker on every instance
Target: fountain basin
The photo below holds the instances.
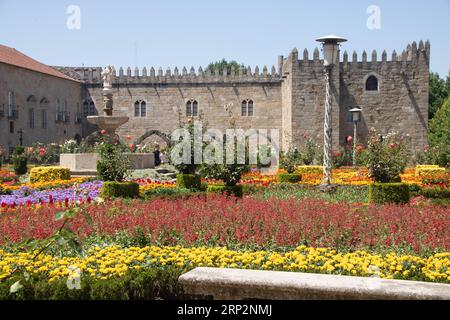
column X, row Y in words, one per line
column 85, row 164
column 108, row 123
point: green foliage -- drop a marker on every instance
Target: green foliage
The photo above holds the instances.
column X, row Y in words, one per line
column 435, row 193
column 439, row 136
column 290, row 160
column 235, row 190
column 113, row 189
column 20, row 160
column 143, row 284
column 309, row 153
column 113, row 165
column 289, row 177
column 190, row 166
column 439, row 92
column 389, row 193
column 188, row 181
column 387, row 157
column 224, row 64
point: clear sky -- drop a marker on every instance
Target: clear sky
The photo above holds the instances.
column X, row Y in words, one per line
column 196, row 32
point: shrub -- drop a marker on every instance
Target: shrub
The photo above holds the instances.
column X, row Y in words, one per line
column 169, row 193
column 236, row 190
column 387, row 157
column 428, row 170
column 435, row 193
column 113, row 165
column 290, row 160
column 188, row 181
column 389, row 193
column 20, row 160
column 114, row 189
column 289, row 177
column 309, row 169
column 44, row 174
column 439, row 135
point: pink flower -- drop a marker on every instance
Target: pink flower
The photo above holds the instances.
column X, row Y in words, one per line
column 103, row 132
column 349, row 139
column 392, row 145
column 132, row 147
column 42, row 152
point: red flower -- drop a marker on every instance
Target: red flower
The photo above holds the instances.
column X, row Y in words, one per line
column 103, row 132
column 359, row 148
column 42, row 152
column 132, row 147
column 392, row 145
column 349, row 139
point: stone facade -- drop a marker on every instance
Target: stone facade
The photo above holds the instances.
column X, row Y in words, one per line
column 45, row 107
column 290, row 97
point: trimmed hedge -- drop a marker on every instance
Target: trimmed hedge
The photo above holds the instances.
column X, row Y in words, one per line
column 389, row 193
column 113, row 189
column 435, row 193
column 428, row 170
column 45, row 174
column 289, row 177
column 188, row 181
column 236, row 190
column 20, row 161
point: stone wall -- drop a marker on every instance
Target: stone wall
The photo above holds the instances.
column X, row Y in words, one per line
column 37, row 91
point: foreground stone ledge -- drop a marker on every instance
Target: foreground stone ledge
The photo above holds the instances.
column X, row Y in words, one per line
column 236, row 284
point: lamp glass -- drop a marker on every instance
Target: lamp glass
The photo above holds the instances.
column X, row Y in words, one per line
column 356, row 114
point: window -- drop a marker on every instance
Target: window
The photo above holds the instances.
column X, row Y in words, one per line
column 31, row 118
column 372, row 83
column 44, row 119
column 10, row 103
column 247, row 108
column 85, row 109
column 92, row 109
column 192, row 108
column 140, row 108
column 11, row 127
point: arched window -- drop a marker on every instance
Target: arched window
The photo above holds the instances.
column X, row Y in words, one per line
column 85, row 109
column 247, row 108
column 192, row 108
column 140, row 108
column 91, row 110
column 372, row 83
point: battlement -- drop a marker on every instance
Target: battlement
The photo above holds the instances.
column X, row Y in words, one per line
column 92, row 75
column 412, row 54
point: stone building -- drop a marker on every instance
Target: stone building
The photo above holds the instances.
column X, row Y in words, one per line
column 37, row 102
column 393, row 95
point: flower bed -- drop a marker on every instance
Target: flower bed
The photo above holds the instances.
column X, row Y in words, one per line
column 250, row 222
column 112, row 262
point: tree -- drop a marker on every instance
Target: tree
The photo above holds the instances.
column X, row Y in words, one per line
column 439, row 135
column 224, row 64
column 439, row 91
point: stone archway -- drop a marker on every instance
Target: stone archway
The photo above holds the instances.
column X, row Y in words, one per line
column 158, row 133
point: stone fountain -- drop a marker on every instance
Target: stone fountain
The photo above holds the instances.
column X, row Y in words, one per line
column 108, row 121
column 86, row 163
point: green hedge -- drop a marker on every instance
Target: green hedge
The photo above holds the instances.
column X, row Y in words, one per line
column 435, row 193
column 289, row 177
column 236, row 191
column 188, row 181
column 389, row 193
column 144, row 284
column 113, row 189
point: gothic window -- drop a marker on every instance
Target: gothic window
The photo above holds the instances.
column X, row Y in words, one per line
column 10, row 103
column 31, row 118
column 247, row 108
column 192, row 108
column 140, row 108
column 85, row 108
column 91, row 109
column 44, row 119
column 372, row 83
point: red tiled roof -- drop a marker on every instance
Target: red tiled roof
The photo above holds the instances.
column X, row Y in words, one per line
column 13, row 57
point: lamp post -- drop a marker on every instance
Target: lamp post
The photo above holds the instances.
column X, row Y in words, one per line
column 330, row 46
column 356, row 117
column 20, row 132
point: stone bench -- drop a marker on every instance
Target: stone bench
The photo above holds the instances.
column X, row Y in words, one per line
column 235, row 284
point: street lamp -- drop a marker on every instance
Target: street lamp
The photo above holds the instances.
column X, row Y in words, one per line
column 356, row 117
column 330, row 46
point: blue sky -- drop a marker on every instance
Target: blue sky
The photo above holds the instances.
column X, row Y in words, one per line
column 196, row 32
